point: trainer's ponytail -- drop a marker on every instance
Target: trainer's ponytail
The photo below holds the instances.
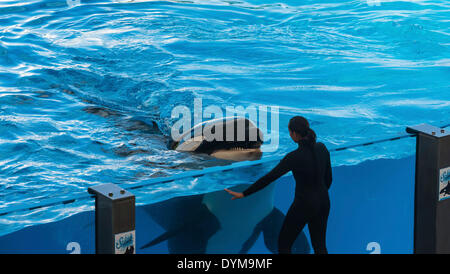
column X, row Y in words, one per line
column 300, row 125
column 310, row 137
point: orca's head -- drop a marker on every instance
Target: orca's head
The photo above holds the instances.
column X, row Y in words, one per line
column 230, row 138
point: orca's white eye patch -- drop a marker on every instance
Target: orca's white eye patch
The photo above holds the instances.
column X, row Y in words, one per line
column 191, row 144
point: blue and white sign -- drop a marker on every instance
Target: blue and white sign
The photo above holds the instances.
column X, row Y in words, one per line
column 444, row 183
column 125, row 243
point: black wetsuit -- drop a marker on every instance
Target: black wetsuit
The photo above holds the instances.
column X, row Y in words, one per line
column 312, row 174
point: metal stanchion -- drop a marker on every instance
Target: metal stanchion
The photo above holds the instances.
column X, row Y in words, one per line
column 432, row 190
column 114, row 220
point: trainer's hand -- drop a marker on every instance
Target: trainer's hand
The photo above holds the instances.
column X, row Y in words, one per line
column 236, row 195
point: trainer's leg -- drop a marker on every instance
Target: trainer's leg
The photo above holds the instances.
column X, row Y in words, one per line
column 318, row 232
column 293, row 224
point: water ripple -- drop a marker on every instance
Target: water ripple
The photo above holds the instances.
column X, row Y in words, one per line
column 82, row 86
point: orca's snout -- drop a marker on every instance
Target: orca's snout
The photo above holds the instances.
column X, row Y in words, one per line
column 171, row 144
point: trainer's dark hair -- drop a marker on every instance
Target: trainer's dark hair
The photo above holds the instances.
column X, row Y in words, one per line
column 300, row 125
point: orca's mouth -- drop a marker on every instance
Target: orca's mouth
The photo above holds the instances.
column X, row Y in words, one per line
column 230, row 145
column 243, row 148
column 239, row 153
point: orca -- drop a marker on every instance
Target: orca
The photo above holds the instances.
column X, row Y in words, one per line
column 229, row 138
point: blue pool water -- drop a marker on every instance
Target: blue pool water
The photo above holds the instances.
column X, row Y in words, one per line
column 80, row 85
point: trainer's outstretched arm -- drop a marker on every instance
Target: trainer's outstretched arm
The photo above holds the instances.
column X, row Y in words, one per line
column 236, row 195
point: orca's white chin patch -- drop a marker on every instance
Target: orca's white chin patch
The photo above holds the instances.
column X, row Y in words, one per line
column 238, row 154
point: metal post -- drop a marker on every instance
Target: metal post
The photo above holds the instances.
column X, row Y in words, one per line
column 114, row 220
column 432, row 190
